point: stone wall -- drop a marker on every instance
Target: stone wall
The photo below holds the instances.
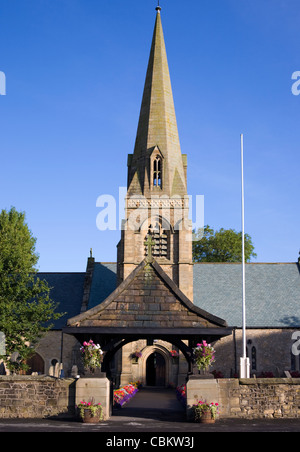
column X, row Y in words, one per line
column 247, row 398
column 35, row 397
column 259, row 398
column 41, row 397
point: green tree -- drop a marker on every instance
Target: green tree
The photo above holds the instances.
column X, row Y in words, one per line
column 26, row 309
column 224, row 245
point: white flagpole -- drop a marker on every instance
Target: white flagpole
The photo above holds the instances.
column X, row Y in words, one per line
column 244, row 361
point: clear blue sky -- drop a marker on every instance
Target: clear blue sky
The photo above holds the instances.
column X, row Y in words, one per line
column 75, row 71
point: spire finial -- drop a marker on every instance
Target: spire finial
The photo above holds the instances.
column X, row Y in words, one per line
column 158, row 8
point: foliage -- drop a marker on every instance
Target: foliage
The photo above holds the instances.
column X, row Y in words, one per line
column 174, row 353
column 217, row 374
column 224, row 245
column 204, row 355
column 181, row 394
column 26, row 310
column 94, row 408
column 204, row 407
column 136, row 354
column 266, row 375
column 92, row 355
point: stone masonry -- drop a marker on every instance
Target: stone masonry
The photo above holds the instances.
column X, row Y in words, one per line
column 35, row 397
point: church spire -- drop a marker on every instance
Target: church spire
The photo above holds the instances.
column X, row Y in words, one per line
column 156, row 224
column 157, row 129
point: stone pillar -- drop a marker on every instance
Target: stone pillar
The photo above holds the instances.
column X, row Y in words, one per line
column 197, row 389
column 97, row 389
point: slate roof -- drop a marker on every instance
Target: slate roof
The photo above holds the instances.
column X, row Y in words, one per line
column 67, row 290
column 103, row 284
column 272, row 292
column 147, row 298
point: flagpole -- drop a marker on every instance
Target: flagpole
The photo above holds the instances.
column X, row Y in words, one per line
column 244, row 361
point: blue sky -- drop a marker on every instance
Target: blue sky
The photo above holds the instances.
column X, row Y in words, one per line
column 75, row 71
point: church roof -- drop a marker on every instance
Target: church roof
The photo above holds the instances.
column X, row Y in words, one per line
column 67, row 290
column 272, row 292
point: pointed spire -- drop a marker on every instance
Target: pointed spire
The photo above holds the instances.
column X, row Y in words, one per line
column 157, row 123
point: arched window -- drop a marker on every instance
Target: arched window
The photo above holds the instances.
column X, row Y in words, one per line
column 253, row 358
column 161, row 240
column 157, row 172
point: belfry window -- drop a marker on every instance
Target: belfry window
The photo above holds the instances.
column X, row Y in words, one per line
column 157, row 172
column 160, row 238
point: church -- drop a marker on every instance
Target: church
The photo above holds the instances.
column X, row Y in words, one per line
column 151, row 307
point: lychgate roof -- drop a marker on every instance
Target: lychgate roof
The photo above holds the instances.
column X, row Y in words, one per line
column 147, row 299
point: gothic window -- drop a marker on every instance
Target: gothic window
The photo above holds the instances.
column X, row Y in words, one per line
column 157, row 172
column 253, row 358
column 160, row 238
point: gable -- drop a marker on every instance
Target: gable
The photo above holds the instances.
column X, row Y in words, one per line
column 148, row 298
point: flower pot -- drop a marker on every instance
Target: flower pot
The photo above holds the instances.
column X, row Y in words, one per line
column 88, row 417
column 206, row 418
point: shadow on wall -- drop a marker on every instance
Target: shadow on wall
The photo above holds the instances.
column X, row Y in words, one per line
column 269, row 351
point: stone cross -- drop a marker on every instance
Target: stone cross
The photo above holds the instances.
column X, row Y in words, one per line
column 149, row 243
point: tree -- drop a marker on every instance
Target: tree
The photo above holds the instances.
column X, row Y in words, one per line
column 25, row 305
column 224, row 245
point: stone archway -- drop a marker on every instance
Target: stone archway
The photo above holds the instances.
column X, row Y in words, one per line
column 155, row 366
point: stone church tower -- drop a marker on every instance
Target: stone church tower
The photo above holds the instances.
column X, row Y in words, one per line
column 156, row 218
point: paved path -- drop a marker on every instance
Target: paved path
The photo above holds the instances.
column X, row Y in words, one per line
column 153, row 403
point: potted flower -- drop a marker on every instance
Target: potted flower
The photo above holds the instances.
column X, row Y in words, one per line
column 175, row 356
column 204, row 356
column 90, row 412
column 206, row 413
column 135, row 356
column 92, row 356
column 181, row 394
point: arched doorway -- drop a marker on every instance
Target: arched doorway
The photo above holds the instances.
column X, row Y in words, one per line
column 156, row 370
column 35, row 364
